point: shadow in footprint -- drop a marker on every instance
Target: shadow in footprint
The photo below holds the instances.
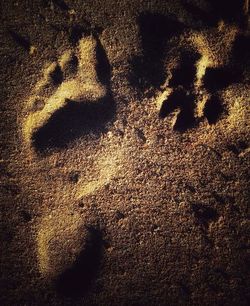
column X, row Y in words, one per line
column 241, row 51
column 184, row 75
column 185, row 119
column 200, row 14
column 231, row 11
column 173, row 102
column 218, row 78
column 76, row 281
column 20, row 40
column 74, row 120
column 76, row 32
column 204, row 214
column 186, row 103
column 57, row 76
column 103, row 67
column 155, row 31
column 213, row 109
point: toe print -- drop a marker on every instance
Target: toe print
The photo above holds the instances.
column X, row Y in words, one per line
column 73, row 99
column 185, row 73
column 179, row 100
column 181, row 97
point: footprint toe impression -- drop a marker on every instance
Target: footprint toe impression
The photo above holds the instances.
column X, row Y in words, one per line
column 80, row 103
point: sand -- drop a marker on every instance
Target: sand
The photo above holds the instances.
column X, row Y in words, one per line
column 124, row 167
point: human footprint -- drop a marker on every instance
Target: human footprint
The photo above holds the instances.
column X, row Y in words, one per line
column 71, row 99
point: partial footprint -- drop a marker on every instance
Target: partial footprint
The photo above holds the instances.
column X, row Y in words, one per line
column 72, row 100
column 77, row 280
column 69, row 252
column 190, row 97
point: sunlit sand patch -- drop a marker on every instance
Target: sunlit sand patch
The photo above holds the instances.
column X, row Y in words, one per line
column 214, row 45
column 201, row 65
column 202, row 99
column 109, row 166
column 237, row 120
column 56, row 237
column 65, row 58
column 239, row 111
column 162, row 97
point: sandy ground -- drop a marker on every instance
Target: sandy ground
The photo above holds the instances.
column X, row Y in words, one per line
column 124, row 167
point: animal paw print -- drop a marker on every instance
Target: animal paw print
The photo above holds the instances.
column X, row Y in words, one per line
column 184, row 96
column 72, row 100
column 186, row 66
column 193, row 97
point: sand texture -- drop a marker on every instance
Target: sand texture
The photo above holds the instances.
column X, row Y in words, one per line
column 124, row 166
